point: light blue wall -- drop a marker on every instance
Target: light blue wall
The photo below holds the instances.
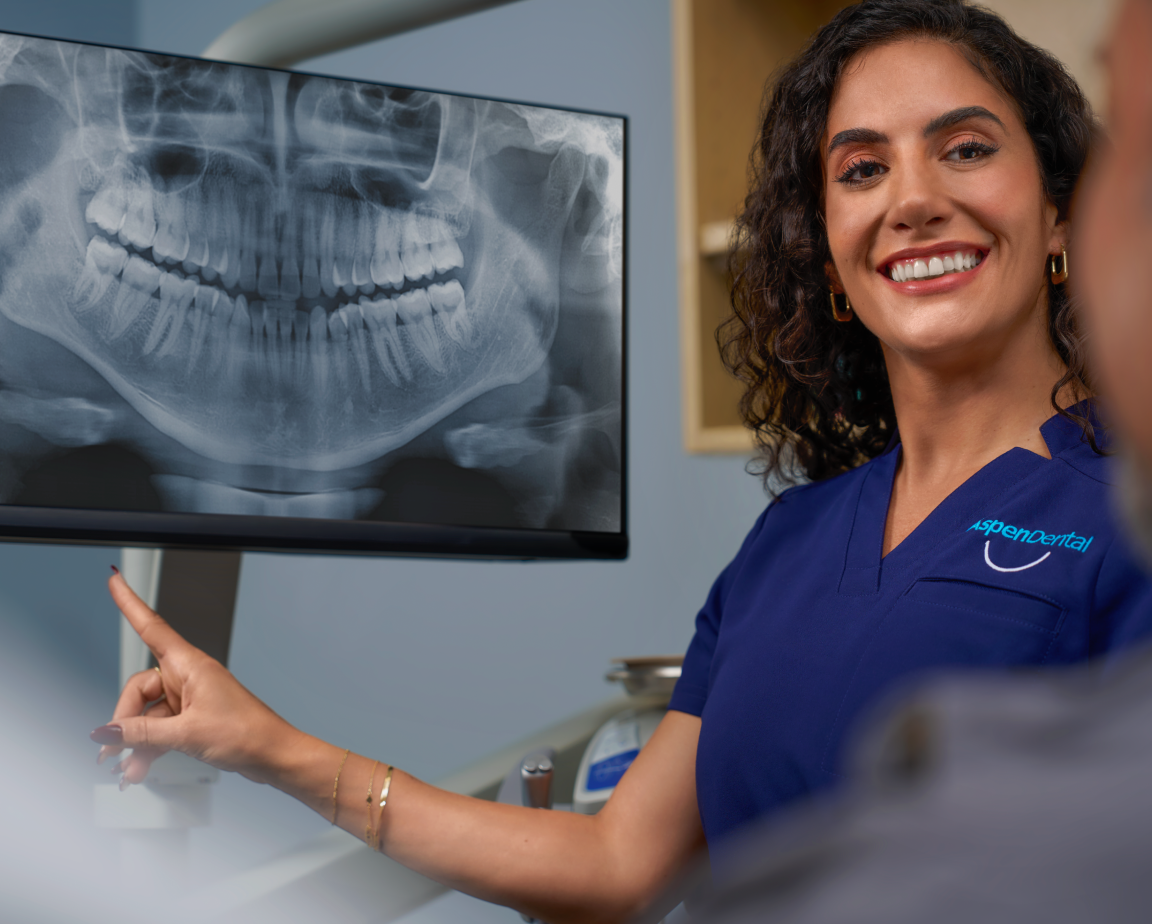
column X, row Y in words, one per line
column 114, row 22
column 430, row 664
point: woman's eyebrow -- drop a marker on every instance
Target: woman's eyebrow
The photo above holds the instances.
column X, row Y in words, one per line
column 956, row 116
column 855, row 136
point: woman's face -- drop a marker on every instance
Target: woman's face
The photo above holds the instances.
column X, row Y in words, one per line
column 937, row 221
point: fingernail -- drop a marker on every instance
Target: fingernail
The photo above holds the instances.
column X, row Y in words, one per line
column 115, row 570
column 101, row 757
column 108, row 734
column 124, row 784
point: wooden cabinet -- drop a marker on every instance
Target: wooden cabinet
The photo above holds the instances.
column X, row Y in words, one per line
column 724, row 51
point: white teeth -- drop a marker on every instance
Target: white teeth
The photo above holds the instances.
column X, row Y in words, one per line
column 240, row 327
column 300, row 324
column 141, row 279
column 184, row 291
column 319, row 347
column 416, row 260
column 264, row 324
column 249, row 238
column 310, row 277
column 385, row 267
column 337, row 326
column 171, row 243
column 205, row 298
column 268, row 284
column 327, row 252
column 139, row 228
column 218, row 334
column 358, row 337
column 109, row 207
column 103, row 262
column 330, row 250
column 289, row 279
column 380, row 316
column 448, row 302
column 347, row 227
column 446, row 255
column 174, row 292
column 284, row 344
column 197, row 239
column 415, row 310
column 957, row 262
column 361, row 271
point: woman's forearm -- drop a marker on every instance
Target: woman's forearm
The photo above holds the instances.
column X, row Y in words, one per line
column 556, row 866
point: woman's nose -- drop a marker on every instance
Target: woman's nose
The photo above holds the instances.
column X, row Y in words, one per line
column 919, row 200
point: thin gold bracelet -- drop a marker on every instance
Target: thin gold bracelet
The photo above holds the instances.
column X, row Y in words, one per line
column 336, row 783
column 387, row 786
column 368, row 800
column 383, row 802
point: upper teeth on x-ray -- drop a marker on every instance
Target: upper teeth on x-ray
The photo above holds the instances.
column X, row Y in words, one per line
column 273, row 288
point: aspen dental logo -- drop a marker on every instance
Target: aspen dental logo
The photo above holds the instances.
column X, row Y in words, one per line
column 1027, row 536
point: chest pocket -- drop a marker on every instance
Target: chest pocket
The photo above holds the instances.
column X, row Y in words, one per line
column 941, row 623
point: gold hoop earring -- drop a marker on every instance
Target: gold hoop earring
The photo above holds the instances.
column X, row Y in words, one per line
column 837, row 314
column 1062, row 276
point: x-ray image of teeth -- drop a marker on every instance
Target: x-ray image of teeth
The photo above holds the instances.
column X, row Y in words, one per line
column 227, row 289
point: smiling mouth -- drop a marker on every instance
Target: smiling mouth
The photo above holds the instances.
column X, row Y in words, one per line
column 959, row 261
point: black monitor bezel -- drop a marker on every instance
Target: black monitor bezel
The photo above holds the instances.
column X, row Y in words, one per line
column 160, row 529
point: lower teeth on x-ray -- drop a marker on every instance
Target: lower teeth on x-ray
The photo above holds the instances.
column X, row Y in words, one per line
column 232, row 290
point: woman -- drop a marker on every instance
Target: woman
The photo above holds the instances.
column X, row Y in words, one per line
column 902, row 327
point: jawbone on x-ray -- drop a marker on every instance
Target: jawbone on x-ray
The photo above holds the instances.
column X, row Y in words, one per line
column 274, row 288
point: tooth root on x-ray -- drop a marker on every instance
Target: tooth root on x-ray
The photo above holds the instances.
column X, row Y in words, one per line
column 290, row 273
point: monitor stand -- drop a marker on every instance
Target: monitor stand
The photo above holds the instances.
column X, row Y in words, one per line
column 195, row 591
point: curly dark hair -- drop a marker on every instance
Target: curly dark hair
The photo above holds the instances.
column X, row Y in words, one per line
column 817, row 395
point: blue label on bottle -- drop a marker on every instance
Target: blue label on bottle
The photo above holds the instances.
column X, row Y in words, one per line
column 606, row 773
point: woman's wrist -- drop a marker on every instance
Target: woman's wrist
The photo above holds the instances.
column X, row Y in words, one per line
column 302, row 766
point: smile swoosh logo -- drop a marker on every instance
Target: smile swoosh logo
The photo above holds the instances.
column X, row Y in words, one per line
column 996, row 567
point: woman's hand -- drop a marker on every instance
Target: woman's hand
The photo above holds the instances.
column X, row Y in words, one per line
column 191, row 704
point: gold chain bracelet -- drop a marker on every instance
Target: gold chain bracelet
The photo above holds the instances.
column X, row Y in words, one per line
column 336, row 783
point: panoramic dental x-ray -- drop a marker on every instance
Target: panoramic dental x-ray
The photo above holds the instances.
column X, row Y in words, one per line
column 226, row 289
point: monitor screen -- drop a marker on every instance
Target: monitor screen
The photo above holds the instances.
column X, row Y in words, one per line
column 263, row 309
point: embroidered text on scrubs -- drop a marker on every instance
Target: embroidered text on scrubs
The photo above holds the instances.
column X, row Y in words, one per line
column 1067, row 540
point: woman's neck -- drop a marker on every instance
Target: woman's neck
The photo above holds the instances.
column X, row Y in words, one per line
column 955, row 419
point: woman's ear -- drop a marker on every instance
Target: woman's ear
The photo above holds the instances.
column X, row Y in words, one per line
column 1059, row 240
column 833, row 278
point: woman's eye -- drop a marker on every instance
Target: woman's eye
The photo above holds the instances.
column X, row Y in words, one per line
column 860, row 171
column 970, row 150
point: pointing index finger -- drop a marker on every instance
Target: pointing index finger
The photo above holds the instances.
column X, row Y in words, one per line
column 160, row 637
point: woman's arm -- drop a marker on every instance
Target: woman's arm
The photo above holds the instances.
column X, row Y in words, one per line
column 556, row 866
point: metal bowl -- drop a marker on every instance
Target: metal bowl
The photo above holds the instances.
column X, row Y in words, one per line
column 654, row 675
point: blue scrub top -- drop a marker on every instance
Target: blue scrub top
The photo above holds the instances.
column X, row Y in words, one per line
column 809, row 625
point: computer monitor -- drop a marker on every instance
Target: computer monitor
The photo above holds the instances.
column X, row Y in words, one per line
column 253, row 308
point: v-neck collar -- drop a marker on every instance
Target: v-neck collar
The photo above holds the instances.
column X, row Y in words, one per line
column 864, row 561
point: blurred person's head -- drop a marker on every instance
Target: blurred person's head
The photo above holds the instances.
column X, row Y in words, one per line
column 1113, row 255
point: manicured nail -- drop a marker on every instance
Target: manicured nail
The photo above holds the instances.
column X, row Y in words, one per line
column 108, row 734
column 115, row 570
column 124, row 784
column 101, row 757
